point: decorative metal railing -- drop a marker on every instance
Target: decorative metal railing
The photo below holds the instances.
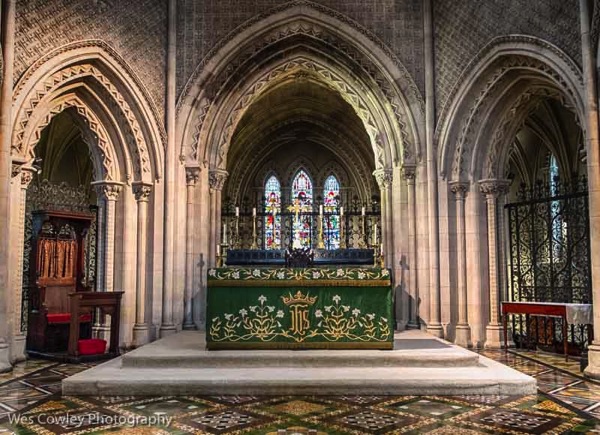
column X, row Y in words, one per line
column 549, row 258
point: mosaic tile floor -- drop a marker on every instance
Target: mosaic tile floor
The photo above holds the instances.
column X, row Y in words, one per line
column 565, row 404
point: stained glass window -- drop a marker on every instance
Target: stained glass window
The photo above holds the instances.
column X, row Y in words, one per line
column 272, row 217
column 302, row 199
column 331, row 219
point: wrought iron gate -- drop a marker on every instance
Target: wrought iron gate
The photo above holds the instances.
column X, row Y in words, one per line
column 549, row 259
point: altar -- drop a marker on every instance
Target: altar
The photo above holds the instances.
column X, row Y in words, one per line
column 299, row 308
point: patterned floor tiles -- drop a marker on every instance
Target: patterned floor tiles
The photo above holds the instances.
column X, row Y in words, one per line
column 30, row 403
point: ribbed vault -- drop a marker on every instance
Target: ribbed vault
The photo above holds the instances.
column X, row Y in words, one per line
column 299, row 123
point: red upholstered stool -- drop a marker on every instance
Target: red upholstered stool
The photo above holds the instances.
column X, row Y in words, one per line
column 92, row 346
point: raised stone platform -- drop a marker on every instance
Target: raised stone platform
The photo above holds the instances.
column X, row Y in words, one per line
column 419, row 364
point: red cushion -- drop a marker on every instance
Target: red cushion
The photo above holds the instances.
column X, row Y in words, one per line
column 91, row 346
column 58, row 318
column 66, row 318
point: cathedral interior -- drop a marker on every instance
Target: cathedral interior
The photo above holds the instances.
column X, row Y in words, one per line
column 447, row 151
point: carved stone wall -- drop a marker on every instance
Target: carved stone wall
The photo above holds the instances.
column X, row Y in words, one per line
column 203, row 24
column 137, row 30
column 463, row 28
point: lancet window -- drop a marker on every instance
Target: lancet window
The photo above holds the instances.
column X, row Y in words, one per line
column 272, row 215
column 331, row 222
column 302, row 200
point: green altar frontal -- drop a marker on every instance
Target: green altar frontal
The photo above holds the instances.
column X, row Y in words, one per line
column 311, row 308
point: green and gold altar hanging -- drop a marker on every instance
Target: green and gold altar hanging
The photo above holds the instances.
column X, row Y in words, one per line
column 311, row 308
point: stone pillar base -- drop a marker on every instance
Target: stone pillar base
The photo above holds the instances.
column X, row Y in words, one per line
column 401, row 325
column 593, row 368
column 463, row 336
column 412, row 325
column 5, row 365
column 141, row 335
column 189, row 327
column 437, row 330
column 494, row 337
column 18, row 349
column 166, row 330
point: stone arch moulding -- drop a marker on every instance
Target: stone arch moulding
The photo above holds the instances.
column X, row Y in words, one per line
column 92, row 67
column 102, row 151
column 481, row 88
column 401, row 105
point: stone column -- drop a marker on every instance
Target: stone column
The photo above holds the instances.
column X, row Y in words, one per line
column 192, row 175
column 141, row 334
column 435, row 316
column 592, row 142
column 409, row 173
column 492, row 189
column 463, row 331
column 26, row 175
column 109, row 191
column 384, row 179
column 167, row 326
column 216, row 179
column 7, row 26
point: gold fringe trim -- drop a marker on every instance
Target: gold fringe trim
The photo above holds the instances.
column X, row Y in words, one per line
column 383, row 345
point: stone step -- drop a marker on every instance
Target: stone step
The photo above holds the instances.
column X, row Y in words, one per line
column 419, row 365
column 187, row 349
column 112, row 378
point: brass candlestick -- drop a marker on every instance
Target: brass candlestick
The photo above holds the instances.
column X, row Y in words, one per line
column 363, row 237
column 342, row 233
column 254, row 241
column 236, row 244
column 320, row 244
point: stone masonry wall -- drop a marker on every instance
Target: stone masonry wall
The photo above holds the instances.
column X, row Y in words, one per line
column 202, row 24
column 136, row 29
column 463, row 27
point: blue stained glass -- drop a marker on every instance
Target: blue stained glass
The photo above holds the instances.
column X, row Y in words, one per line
column 302, row 196
column 273, row 209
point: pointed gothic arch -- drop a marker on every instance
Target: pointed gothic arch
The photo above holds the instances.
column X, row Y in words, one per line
column 362, row 70
column 98, row 77
column 492, row 98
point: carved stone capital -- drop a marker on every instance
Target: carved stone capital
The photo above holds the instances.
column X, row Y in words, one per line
column 142, row 191
column 384, row 177
column 494, row 188
column 216, row 179
column 15, row 169
column 192, row 175
column 26, row 177
column 460, row 189
column 108, row 190
column 409, row 173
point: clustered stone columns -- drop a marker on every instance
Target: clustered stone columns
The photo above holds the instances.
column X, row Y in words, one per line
column 409, row 173
column 192, row 175
column 384, row 179
column 108, row 192
column 493, row 190
column 216, row 180
column 26, row 178
column 7, row 16
column 140, row 329
column 463, row 331
column 592, row 146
